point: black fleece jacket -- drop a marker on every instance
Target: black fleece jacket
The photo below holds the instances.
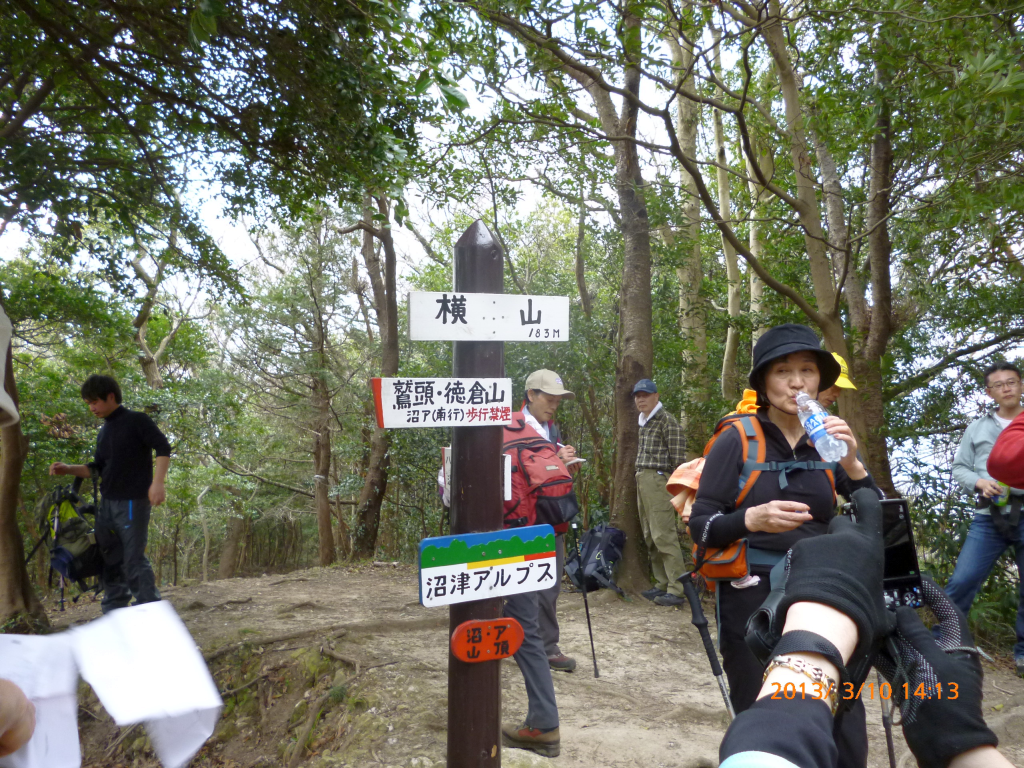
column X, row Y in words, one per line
column 124, row 454
column 719, row 487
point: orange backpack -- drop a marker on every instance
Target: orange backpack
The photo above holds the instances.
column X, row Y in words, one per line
column 730, row 563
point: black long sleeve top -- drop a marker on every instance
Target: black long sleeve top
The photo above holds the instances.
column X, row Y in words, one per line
column 781, row 734
column 124, row 454
column 719, row 487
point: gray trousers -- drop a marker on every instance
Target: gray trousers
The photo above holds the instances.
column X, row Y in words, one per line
column 533, row 663
column 124, row 525
column 547, row 600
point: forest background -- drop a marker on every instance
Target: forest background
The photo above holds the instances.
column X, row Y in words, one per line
column 688, row 173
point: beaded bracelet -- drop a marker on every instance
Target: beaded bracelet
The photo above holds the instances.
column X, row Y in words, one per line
column 827, row 686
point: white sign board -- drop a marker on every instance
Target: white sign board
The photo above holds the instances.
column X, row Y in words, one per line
column 446, row 475
column 468, row 402
column 487, row 317
column 475, row 566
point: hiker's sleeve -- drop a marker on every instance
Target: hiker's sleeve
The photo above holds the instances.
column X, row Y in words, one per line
column 963, row 463
column 152, row 437
column 675, row 442
column 716, row 494
column 779, row 733
column 845, row 486
column 1006, row 462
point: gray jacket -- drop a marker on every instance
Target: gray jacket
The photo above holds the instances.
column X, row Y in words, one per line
column 972, row 455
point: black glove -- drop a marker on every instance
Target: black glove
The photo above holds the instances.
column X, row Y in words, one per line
column 938, row 723
column 843, row 570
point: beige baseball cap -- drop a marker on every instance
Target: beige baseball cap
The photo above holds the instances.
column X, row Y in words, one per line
column 549, row 383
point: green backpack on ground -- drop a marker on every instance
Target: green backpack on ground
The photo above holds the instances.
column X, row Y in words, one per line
column 69, row 536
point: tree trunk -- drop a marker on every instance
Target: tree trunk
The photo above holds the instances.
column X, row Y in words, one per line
column 232, row 544
column 869, row 364
column 18, row 600
column 692, row 308
column 322, row 473
column 636, row 348
column 206, row 535
column 758, row 197
column 591, row 415
column 385, row 303
column 806, row 204
column 730, row 378
column 151, row 370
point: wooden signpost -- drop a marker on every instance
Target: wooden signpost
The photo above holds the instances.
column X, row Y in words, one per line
column 474, row 690
column 470, row 570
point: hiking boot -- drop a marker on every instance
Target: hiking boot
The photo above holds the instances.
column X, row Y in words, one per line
column 524, row 737
column 653, row 593
column 669, row 599
column 1020, row 666
column 562, row 663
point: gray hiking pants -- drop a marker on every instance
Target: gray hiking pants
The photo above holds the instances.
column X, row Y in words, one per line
column 533, row 663
column 547, row 602
column 125, row 526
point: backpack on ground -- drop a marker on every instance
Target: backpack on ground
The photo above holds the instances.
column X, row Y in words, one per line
column 542, row 491
column 69, row 536
column 600, row 551
column 730, row 563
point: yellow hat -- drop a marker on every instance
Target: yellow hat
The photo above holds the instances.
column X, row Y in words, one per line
column 843, row 382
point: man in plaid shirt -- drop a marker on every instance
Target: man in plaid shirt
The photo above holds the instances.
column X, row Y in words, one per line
column 662, row 449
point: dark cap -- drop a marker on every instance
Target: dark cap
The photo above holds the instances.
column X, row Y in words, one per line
column 645, row 385
column 784, row 340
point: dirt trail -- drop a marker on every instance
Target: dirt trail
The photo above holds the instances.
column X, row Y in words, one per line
column 655, row 703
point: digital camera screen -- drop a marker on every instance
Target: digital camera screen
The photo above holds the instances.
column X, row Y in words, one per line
column 901, row 577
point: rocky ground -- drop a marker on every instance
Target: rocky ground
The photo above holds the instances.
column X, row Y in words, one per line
column 358, row 674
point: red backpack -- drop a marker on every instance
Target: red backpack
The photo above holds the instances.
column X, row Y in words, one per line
column 541, row 485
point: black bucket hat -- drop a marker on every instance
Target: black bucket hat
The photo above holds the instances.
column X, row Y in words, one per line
column 786, row 339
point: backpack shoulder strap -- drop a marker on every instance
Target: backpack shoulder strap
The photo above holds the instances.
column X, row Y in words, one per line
column 754, row 452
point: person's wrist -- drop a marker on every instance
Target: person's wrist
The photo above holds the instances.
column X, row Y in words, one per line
column 749, row 518
column 834, row 625
column 980, row 757
column 779, row 678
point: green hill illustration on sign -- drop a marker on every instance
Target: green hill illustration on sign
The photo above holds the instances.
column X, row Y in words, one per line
column 480, row 547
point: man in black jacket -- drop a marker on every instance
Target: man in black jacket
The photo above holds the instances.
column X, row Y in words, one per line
column 129, row 488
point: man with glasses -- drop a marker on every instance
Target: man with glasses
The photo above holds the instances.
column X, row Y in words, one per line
column 997, row 522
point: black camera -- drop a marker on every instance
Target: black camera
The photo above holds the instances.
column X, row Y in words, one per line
column 901, row 581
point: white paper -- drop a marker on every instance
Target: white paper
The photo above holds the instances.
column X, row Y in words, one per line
column 144, row 666
column 44, row 668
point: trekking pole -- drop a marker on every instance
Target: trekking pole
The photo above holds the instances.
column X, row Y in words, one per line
column 586, row 605
column 62, row 592
column 700, row 621
column 887, row 723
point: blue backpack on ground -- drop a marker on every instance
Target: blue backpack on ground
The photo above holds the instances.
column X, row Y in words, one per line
column 600, row 551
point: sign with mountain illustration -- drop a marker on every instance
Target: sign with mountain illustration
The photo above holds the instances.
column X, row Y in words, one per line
column 475, row 566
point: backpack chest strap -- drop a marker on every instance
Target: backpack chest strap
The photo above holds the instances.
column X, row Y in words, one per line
column 784, row 467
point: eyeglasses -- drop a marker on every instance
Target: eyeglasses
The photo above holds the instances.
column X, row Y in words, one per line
column 1001, row 385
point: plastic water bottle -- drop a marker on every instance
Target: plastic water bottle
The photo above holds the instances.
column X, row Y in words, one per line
column 812, row 415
